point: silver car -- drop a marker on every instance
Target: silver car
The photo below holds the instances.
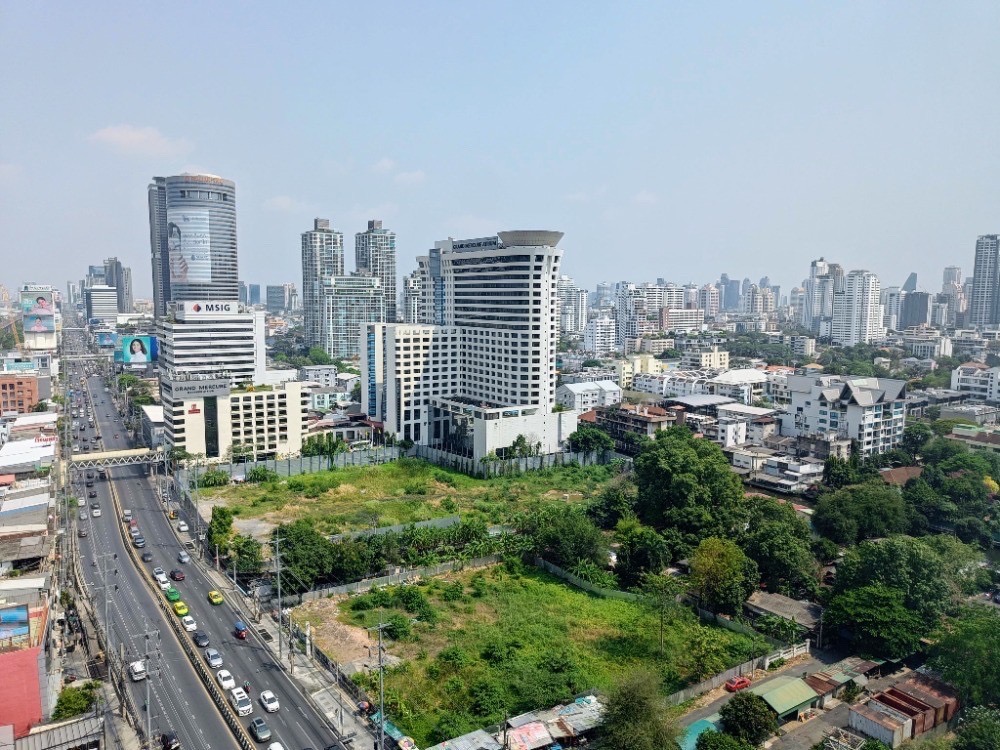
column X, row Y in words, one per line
column 213, row 657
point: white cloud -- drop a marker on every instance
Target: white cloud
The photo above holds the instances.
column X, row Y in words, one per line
column 646, row 198
column 384, row 165
column 138, row 141
column 285, row 204
column 409, row 178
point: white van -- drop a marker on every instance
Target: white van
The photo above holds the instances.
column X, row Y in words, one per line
column 240, row 701
column 137, row 671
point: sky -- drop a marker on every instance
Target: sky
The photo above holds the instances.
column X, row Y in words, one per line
column 679, row 140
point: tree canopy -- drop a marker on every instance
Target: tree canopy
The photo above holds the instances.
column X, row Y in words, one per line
column 780, row 543
column 746, row 716
column 685, row 484
column 878, row 620
column 635, row 717
column 864, row 511
column 965, row 654
column 588, row 439
column 723, row 575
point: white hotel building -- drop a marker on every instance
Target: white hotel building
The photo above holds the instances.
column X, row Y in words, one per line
column 479, row 369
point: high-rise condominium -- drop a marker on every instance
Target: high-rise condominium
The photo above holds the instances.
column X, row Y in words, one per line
column 192, row 237
column 120, row 277
column 857, row 311
column 985, row 282
column 322, row 257
column 486, row 373
column 375, row 255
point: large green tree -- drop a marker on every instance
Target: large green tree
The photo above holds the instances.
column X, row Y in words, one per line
column 686, row 484
column 747, row 717
column 965, row 653
column 635, row 717
column 980, row 730
column 864, row 511
column 712, row 740
column 588, row 439
column 220, row 528
column 877, row 619
column 908, row 565
column 723, row 575
column 564, row 537
column 640, row 551
column 781, row 544
column 306, row 554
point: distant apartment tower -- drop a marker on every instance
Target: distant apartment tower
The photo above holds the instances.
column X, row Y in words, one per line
column 120, row 277
column 985, row 282
column 322, row 258
column 253, row 294
column 411, row 297
column 857, row 311
column 192, row 235
column 572, row 306
column 277, row 298
column 375, row 255
column 951, row 275
column 892, row 298
column 708, row 300
column 599, row 336
column 349, row 303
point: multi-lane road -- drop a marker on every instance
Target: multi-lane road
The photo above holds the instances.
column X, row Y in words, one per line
column 178, row 700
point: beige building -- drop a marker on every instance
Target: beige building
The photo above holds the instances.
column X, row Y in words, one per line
column 268, row 420
column 703, row 359
column 636, row 364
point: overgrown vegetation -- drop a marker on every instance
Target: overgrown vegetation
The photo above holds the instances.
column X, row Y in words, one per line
column 75, row 700
column 508, row 640
column 408, row 491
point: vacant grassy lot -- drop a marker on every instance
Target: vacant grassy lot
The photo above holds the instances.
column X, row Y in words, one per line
column 482, row 643
column 403, row 491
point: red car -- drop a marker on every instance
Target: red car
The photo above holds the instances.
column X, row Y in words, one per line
column 737, row 683
column 177, row 574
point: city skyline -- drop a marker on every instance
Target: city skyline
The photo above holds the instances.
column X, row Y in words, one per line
column 790, row 132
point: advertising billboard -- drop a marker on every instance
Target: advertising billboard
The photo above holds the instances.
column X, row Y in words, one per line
column 206, row 309
column 14, row 622
column 106, row 338
column 38, row 312
column 136, row 350
column 189, row 245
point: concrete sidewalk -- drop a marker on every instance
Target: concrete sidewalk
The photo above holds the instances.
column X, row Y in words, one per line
column 310, row 677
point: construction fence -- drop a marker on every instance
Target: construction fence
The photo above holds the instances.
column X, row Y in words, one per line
column 506, row 467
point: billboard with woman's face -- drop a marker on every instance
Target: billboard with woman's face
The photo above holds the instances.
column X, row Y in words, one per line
column 189, row 245
column 137, row 350
column 38, row 312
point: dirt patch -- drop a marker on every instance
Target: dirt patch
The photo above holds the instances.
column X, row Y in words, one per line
column 258, row 528
column 342, row 643
column 345, row 489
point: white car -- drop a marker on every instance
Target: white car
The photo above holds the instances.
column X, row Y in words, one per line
column 275, row 746
column 81, row 502
column 96, row 513
column 226, row 680
column 163, row 581
column 269, row 701
column 182, row 526
column 189, row 624
column 213, row 657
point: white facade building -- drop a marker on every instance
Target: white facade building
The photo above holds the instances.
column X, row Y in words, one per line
column 213, row 338
column 322, row 257
column 869, row 411
column 349, row 304
column 587, row 396
column 599, row 337
column 487, row 373
column 325, row 375
column 412, row 294
column 857, row 310
column 978, row 379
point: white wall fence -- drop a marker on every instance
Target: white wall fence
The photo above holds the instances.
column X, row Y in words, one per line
column 401, row 576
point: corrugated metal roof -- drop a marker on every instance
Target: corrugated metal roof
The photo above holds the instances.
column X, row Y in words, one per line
column 478, row 740
column 784, row 694
column 65, row 735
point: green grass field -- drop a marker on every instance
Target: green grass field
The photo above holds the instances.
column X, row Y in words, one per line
column 402, row 492
column 488, row 642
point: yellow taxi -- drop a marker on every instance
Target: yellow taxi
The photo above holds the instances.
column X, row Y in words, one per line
column 180, row 609
column 215, row 597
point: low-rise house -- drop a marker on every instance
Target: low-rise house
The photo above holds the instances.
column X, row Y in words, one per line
column 587, row 396
column 628, row 424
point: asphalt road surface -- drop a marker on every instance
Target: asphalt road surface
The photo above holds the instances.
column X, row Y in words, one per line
column 178, row 699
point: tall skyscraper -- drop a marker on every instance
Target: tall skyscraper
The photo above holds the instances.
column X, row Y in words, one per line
column 952, row 275
column 857, row 312
column 375, row 255
column 349, row 303
column 572, row 306
column 985, row 282
column 277, row 300
column 192, row 235
column 322, row 258
column 493, row 359
column 120, row 277
column 253, row 293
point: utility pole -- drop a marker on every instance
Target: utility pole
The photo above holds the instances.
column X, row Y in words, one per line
column 277, row 560
column 146, row 634
column 381, row 683
column 107, row 594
